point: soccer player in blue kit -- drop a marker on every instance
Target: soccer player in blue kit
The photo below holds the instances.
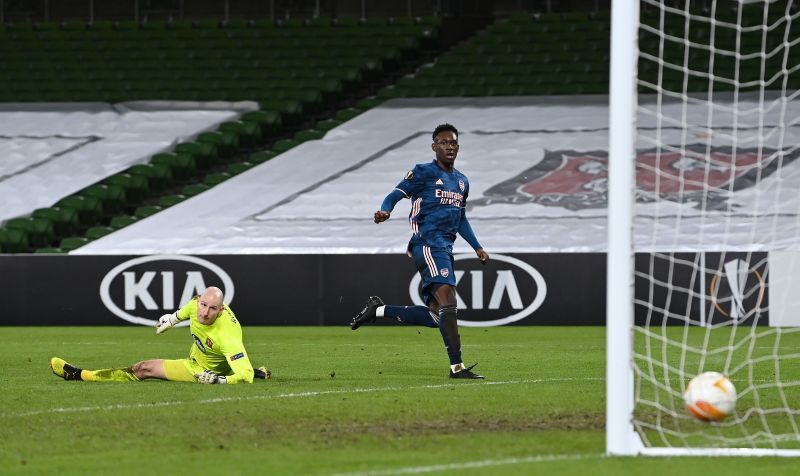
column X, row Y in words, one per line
column 438, row 194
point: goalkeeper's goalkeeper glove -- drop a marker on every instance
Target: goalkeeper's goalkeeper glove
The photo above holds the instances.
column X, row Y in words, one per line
column 166, row 321
column 210, row 377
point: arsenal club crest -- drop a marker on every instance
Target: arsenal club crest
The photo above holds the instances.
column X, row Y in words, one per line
column 697, row 174
column 461, row 185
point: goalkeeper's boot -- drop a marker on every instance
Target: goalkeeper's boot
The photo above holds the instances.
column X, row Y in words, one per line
column 466, row 373
column 263, row 373
column 65, row 370
column 367, row 315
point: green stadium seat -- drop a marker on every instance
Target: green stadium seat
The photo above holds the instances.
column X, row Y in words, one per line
column 347, row 114
column 146, row 211
column 406, row 20
column 20, row 27
column 505, row 90
column 292, row 23
column 90, row 209
column 49, row 250
column 435, row 21
column 73, row 26
column 183, row 165
column 376, row 22
column 310, row 99
column 101, row 26
column 153, row 26
column 205, row 154
column 345, row 22
column 310, row 134
column 170, row 200
column 236, row 169
column 46, row 26
column 234, row 25
column 112, row 197
column 369, row 103
column 262, row 25
column 14, row 240
column 122, row 221
column 72, row 243
column 520, row 18
column 283, row 145
column 268, row 121
column 40, row 231
column 194, row 189
column 261, row 157
column 65, row 220
column 96, row 232
column 248, row 133
column 127, row 26
column 291, row 112
column 216, row 178
column 320, row 22
column 159, row 176
column 327, row 124
column 226, row 143
column 205, row 25
column 136, row 187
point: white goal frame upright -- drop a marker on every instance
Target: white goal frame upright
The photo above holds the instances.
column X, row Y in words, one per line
column 621, row 438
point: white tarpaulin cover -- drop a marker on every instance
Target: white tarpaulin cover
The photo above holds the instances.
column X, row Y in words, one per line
column 537, row 170
column 47, row 154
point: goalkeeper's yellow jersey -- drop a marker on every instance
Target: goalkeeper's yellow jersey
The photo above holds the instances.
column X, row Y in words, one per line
column 218, row 347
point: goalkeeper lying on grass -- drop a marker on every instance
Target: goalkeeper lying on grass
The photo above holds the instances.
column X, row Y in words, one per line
column 217, row 355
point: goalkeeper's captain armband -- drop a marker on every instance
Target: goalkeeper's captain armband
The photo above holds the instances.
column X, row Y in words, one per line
column 166, row 321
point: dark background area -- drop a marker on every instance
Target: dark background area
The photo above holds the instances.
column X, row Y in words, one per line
column 165, row 10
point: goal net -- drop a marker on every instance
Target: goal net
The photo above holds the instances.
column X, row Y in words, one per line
column 713, row 227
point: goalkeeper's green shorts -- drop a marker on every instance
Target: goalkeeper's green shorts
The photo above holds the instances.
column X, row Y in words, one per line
column 182, row 370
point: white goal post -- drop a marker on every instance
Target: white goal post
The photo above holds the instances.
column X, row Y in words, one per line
column 703, row 260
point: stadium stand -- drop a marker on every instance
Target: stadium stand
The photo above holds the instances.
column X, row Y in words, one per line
column 524, row 55
column 308, row 77
column 300, row 73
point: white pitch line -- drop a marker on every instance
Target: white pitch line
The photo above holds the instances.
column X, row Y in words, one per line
column 473, row 464
column 312, row 393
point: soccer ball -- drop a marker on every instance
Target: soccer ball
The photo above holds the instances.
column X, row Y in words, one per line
column 710, row 396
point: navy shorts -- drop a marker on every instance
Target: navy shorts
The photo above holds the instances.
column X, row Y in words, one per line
column 435, row 266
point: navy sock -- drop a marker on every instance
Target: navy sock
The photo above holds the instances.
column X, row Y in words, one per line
column 418, row 315
column 448, row 319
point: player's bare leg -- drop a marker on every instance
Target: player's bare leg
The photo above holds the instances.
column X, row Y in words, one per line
column 149, row 369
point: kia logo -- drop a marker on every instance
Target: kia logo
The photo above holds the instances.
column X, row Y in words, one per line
column 148, row 285
column 514, row 289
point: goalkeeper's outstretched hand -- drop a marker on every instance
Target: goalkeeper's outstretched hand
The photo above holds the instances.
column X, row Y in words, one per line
column 166, row 321
column 209, row 377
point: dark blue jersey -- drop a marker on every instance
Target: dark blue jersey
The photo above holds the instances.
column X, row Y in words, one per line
column 438, row 199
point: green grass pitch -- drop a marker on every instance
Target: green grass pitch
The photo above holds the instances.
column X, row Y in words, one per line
column 372, row 402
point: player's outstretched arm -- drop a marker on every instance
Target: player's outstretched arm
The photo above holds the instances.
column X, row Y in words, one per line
column 241, row 368
column 388, row 205
column 166, row 322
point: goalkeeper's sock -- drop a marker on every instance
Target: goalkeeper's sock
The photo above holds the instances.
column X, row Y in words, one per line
column 110, row 375
column 416, row 315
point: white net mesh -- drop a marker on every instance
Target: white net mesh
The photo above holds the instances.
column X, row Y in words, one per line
column 717, row 219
